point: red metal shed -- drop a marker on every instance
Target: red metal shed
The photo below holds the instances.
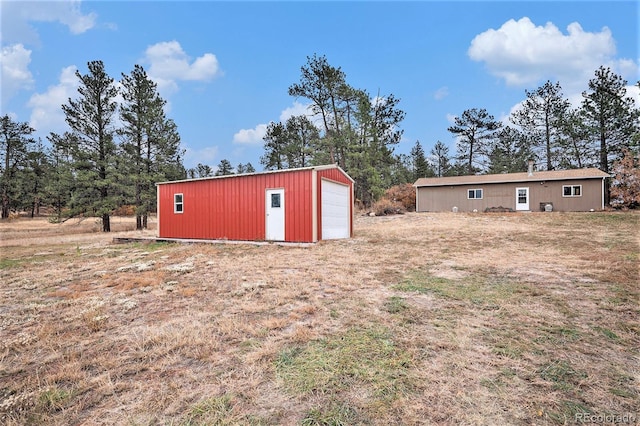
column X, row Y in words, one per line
column 295, row 205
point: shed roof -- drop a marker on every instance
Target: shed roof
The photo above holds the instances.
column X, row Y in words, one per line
column 324, row 167
column 588, row 173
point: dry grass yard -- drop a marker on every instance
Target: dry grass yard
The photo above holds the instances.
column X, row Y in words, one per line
column 437, row 319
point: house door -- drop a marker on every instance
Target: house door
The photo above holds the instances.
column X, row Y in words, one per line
column 522, row 198
column 275, row 215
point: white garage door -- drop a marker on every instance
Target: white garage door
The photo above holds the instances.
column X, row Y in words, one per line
column 336, row 213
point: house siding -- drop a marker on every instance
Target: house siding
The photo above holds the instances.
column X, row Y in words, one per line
column 445, row 198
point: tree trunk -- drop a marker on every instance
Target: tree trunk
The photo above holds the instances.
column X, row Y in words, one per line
column 138, row 222
column 106, row 223
column 577, row 153
column 604, row 163
column 144, row 221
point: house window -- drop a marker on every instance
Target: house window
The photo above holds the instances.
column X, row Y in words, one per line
column 178, row 205
column 572, row 190
column 474, row 194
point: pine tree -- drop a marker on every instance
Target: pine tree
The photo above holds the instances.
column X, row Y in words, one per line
column 15, row 144
column 224, row 168
column 402, row 170
column 245, row 168
column 60, row 180
column 420, row 165
column 610, row 116
column 510, row 152
column 325, row 86
column 151, row 143
column 302, row 135
column 90, row 118
column 33, row 179
column 275, row 147
column 291, row 144
column 200, row 171
column 575, row 149
column 441, row 159
column 542, row 119
column 475, row 129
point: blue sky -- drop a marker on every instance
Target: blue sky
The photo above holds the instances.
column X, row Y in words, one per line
column 225, row 67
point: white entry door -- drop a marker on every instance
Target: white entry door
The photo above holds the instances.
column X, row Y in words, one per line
column 522, row 198
column 275, row 215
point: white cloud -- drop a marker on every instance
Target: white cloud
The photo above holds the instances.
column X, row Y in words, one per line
column 255, row 136
column 46, row 114
column 169, row 63
column 16, row 76
column 17, row 17
column 205, row 155
column 451, row 118
column 441, row 93
column 633, row 92
column 251, row 136
column 297, row 109
column 522, row 53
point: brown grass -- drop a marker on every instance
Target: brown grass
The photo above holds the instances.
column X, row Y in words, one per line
column 520, row 319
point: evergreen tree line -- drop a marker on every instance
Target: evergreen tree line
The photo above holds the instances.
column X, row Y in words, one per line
column 120, row 142
column 359, row 132
column 224, row 168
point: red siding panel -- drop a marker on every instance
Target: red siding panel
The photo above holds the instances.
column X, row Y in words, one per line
column 234, row 207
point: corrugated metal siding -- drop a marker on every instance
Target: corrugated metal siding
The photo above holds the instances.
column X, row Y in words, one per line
column 234, row 208
column 335, row 175
column 444, row 198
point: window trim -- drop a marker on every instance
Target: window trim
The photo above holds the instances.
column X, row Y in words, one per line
column 573, row 192
column 180, row 203
column 475, row 193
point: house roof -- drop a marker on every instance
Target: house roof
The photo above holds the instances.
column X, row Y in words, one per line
column 323, row 167
column 590, row 173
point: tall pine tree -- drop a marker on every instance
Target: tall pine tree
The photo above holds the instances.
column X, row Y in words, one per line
column 90, row 118
column 475, row 130
column 151, row 143
column 610, row 115
column 542, row 119
column 420, row 165
column 60, row 185
column 441, row 159
column 15, row 144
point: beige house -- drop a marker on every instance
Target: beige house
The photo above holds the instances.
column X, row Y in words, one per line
column 556, row 190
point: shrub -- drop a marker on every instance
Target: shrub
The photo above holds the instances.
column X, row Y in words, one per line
column 396, row 200
column 386, row 207
column 404, row 194
column 126, row 210
column 625, row 190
